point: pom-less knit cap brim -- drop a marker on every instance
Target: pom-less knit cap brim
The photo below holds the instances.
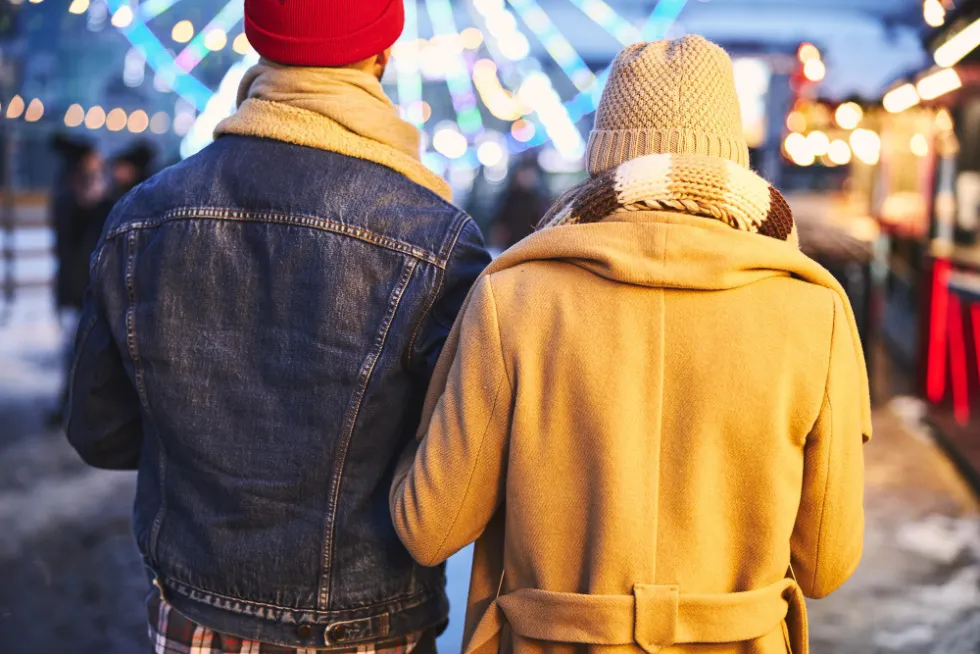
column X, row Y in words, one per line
column 668, row 97
column 287, row 32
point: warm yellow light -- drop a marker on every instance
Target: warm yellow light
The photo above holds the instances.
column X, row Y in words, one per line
column 215, row 40
column 116, row 120
column 123, row 16
column 919, row 145
column 849, row 115
column 818, row 143
column 471, row 38
column 934, row 13
column 839, row 152
column 78, row 6
column 450, row 143
column 796, row 122
column 74, row 116
column 95, row 118
column 959, row 46
column 808, row 52
column 182, row 31
column 16, row 107
column 35, row 111
column 866, row 146
column 803, row 157
column 36, row 2
column 939, row 83
column 160, row 123
column 814, row 70
column 138, row 122
column 944, row 121
column 899, row 99
column 241, row 45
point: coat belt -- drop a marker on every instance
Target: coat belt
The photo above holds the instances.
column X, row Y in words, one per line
column 653, row 617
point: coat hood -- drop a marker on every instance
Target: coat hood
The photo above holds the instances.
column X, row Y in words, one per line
column 666, row 250
column 673, row 250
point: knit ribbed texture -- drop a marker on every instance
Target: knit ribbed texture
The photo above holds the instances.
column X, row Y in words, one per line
column 322, row 33
column 668, row 97
column 695, row 184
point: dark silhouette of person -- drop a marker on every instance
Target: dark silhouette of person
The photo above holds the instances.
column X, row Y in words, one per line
column 524, row 204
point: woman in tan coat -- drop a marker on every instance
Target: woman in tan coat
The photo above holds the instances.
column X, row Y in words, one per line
column 651, row 412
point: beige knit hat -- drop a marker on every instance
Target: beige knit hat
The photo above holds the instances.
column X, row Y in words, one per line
column 668, row 97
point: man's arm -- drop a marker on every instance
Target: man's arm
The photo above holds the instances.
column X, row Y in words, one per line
column 103, row 415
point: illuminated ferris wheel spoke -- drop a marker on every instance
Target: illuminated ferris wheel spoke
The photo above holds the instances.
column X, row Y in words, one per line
column 409, row 82
column 150, row 9
column 608, row 19
column 457, row 78
column 663, row 17
column 194, row 53
column 161, row 61
column 560, row 49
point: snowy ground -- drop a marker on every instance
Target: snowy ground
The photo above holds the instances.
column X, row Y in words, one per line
column 70, row 579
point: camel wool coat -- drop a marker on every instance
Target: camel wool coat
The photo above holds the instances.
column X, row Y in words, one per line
column 651, row 425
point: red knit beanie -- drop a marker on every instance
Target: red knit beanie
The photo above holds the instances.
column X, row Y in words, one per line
column 322, row 33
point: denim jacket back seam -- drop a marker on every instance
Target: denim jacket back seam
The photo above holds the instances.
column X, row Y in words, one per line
column 350, row 421
column 140, row 386
column 313, row 222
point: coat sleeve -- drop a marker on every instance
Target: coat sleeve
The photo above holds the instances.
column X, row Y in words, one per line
column 103, row 416
column 448, row 486
column 829, row 532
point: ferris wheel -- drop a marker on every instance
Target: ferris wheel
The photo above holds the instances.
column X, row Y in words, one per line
column 500, row 95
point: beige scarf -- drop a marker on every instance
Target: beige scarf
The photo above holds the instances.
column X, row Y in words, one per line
column 337, row 109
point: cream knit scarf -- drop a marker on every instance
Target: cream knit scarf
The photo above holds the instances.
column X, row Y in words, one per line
column 337, row 109
column 694, row 184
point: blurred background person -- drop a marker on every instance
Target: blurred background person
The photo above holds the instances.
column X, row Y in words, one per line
column 130, row 168
column 79, row 207
column 523, row 205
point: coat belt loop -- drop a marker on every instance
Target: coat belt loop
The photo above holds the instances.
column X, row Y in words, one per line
column 655, row 618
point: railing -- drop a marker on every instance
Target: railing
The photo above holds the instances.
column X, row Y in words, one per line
column 26, row 246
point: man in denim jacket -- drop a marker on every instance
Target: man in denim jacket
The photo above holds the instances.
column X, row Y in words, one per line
column 257, row 341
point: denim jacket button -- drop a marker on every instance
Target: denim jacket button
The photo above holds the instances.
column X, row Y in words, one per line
column 304, row 631
column 337, row 633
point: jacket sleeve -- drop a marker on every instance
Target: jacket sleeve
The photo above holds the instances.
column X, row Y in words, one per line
column 103, row 415
column 467, row 260
column 447, row 487
column 829, row 533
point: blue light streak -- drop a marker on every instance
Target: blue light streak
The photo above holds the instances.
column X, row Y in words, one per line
column 458, row 78
column 409, row 82
column 159, row 59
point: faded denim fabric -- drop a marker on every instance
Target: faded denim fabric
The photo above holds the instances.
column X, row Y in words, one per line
column 257, row 341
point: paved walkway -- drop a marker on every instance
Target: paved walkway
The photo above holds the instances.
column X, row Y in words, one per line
column 70, row 579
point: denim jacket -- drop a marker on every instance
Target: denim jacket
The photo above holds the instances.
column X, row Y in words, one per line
column 258, row 337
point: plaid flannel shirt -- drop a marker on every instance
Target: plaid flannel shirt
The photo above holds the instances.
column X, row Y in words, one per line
column 172, row 633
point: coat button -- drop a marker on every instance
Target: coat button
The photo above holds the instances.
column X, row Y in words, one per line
column 304, row 631
column 337, row 633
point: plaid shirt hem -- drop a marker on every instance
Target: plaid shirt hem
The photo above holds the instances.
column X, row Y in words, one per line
column 172, row 633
